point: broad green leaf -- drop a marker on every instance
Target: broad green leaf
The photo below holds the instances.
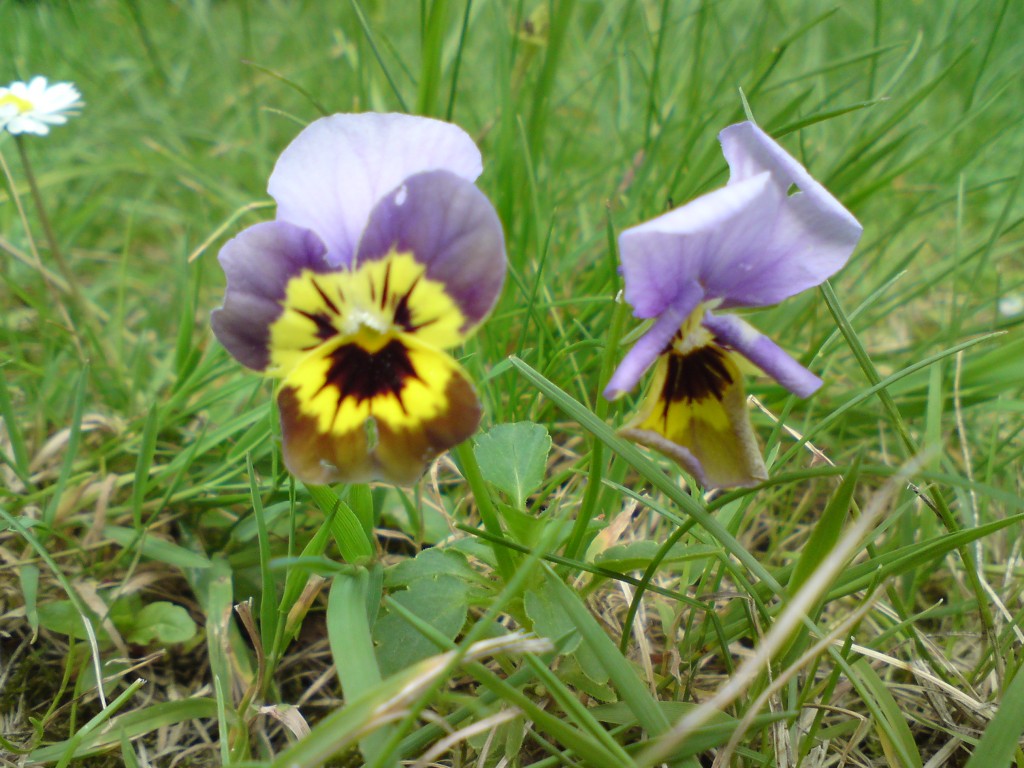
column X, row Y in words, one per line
column 513, row 458
column 527, row 529
column 162, row 621
column 62, row 617
column 425, row 522
column 440, row 600
column 637, row 555
column 28, row 575
column 157, row 549
column 428, row 564
column 551, row 621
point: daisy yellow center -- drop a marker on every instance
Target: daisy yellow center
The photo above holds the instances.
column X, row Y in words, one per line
column 367, row 343
column 23, row 105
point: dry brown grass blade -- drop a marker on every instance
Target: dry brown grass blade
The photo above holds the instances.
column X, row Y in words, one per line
column 787, row 622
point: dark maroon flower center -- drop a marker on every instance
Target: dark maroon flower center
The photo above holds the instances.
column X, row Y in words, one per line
column 697, row 375
column 357, row 372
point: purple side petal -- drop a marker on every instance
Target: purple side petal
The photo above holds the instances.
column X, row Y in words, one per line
column 258, row 264
column 334, row 172
column 664, row 255
column 450, row 227
column 762, row 352
column 653, row 343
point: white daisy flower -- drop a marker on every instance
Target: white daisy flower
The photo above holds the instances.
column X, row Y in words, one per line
column 34, row 106
column 1011, row 304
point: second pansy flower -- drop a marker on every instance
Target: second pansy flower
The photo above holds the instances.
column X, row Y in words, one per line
column 384, row 254
column 770, row 233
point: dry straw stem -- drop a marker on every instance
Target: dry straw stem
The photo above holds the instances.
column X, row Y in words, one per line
column 424, row 674
column 972, row 496
column 787, row 674
column 968, row 703
column 789, row 620
column 225, row 226
column 66, row 284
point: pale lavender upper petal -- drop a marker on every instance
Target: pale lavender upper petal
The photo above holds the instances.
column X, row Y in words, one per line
column 653, row 343
column 763, row 352
column 258, row 264
column 814, row 235
column 662, row 257
column 750, row 243
column 449, row 226
column 334, row 172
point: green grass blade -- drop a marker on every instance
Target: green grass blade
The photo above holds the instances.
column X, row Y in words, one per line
column 624, row 677
column 218, row 602
column 142, row 466
column 593, row 743
column 19, row 458
column 897, row 740
column 632, row 455
column 826, row 531
column 268, row 590
column 348, row 530
column 71, row 449
column 351, row 639
column 432, row 48
column 559, row 28
column 1000, row 742
column 365, row 26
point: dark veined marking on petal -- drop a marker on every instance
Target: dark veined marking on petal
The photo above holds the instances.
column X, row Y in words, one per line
column 325, row 297
column 324, row 327
column 386, row 288
column 356, row 372
column 403, row 315
column 696, row 376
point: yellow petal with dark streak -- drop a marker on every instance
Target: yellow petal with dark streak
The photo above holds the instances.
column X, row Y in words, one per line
column 696, row 413
column 380, row 409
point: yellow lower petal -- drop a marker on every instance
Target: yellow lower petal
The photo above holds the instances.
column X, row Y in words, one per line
column 379, row 406
column 695, row 412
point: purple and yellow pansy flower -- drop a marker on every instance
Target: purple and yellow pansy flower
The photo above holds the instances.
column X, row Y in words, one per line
column 383, row 256
column 770, row 233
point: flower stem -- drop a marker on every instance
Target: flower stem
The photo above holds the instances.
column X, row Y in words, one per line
column 85, row 310
column 44, row 219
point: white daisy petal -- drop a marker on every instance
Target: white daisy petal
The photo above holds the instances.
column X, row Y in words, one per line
column 34, row 106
